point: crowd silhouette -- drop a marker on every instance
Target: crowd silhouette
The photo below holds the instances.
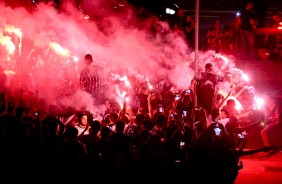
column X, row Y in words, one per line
column 172, row 139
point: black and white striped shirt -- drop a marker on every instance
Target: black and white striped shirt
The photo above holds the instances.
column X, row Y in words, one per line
column 90, row 79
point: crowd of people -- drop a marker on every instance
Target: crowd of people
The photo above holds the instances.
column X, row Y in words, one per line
column 160, row 135
column 237, row 38
column 195, row 134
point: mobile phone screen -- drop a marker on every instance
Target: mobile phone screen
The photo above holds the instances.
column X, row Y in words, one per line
column 182, row 145
column 217, row 131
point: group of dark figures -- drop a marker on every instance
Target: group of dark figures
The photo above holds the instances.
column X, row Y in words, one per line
column 165, row 137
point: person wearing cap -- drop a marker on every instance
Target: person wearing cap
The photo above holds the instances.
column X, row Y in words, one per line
column 90, row 79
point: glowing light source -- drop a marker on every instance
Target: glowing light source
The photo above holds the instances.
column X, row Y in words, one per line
column 238, row 106
column 75, row 59
column 148, row 83
column 125, row 79
column 170, row 11
column 224, row 58
column 280, row 27
column 59, row 49
column 13, row 29
column 259, row 102
column 127, row 99
column 121, row 97
column 245, row 77
column 9, row 72
column 7, row 42
column 86, row 17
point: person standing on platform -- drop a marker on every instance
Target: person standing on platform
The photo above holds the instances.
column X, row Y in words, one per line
column 247, row 34
column 189, row 30
column 90, row 79
column 206, row 87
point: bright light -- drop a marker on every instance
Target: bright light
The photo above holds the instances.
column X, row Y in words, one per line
column 9, row 72
column 125, row 79
column 245, row 77
column 238, row 14
column 149, row 84
column 13, row 29
column 259, row 102
column 224, row 58
column 279, row 27
column 75, row 59
column 59, row 49
column 170, row 11
column 7, row 42
column 238, row 106
column 119, row 101
column 86, row 17
column 123, row 94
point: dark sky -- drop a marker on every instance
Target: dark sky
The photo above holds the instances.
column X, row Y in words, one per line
column 219, row 5
column 214, row 4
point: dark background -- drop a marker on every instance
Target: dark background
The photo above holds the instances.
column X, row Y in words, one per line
column 209, row 11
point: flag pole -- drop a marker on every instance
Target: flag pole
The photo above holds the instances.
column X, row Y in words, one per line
column 197, row 5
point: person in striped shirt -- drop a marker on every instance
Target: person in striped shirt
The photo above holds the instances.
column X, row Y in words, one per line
column 90, row 79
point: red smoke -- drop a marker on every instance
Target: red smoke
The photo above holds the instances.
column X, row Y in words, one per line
column 111, row 31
